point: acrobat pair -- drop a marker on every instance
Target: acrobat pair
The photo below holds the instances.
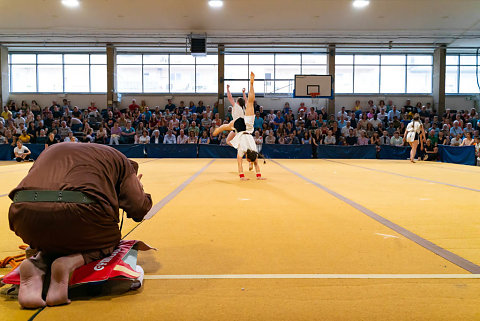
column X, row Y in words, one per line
column 241, row 128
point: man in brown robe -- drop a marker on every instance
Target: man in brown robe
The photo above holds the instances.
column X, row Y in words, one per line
column 70, row 231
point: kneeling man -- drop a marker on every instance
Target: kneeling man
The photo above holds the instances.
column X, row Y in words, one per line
column 67, row 208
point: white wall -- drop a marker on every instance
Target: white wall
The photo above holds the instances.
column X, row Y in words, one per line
column 83, row 100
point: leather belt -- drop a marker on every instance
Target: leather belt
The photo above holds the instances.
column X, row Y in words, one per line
column 52, row 196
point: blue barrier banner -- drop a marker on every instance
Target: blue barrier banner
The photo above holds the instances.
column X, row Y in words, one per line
column 6, row 152
column 456, row 154
column 171, row 151
column 394, row 152
column 36, row 149
column 347, row 152
column 287, row 151
column 216, row 151
column 131, row 150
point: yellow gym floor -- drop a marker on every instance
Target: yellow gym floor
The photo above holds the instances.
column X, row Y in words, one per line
column 318, row 240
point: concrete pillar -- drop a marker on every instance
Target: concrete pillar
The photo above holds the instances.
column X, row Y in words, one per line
column 221, row 84
column 111, row 75
column 4, row 75
column 331, row 71
column 439, row 72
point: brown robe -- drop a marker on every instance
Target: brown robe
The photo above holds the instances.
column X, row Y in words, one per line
column 104, row 175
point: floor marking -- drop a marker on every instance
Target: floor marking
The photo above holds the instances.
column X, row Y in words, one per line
column 2, row 195
column 386, row 236
column 157, row 207
column 310, row 276
column 452, row 257
column 449, row 168
column 406, row 176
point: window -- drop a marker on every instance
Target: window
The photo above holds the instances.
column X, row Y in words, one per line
column 166, row 73
column 386, row 74
column 461, row 76
column 274, row 73
column 57, row 72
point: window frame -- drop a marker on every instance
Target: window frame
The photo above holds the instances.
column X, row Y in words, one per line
column 63, row 64
column 169, row 64
column 379, row 65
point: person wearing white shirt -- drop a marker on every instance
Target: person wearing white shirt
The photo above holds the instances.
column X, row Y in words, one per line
column 342, row 112
column 375, row 121
column 182, row 138
column 329, row 139
column 346, row 129
column 21, row 152
column 144, row 139
column 396, row 140
column 456, row 141
column 169, row 138
column 382, row 115
column 19, row 120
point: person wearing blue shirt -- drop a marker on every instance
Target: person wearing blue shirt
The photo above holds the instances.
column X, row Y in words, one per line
column 147, row 114
column 258, row 122
column 278, row 120
column 455, row 130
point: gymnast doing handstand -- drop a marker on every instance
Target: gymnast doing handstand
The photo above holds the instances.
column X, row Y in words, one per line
column 243, row 140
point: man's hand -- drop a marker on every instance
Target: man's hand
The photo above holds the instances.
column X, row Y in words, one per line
column 261, row 178
column 252, row 77
column 244, row 178
column 243, row 90
column 228, row 87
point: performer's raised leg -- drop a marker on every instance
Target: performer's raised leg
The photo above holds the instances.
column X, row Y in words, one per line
column 224, row 127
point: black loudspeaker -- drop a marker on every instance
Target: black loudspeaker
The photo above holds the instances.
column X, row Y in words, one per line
column 198, row 45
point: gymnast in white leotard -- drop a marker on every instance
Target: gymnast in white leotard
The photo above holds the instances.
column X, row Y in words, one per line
column 243, row 140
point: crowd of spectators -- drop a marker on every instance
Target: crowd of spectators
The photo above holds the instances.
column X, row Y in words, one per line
column 381, row 124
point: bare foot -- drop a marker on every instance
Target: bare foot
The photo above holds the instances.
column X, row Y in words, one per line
column 61, row 269
column 31, row 284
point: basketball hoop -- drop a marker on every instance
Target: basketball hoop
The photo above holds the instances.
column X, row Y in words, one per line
column 315, row 98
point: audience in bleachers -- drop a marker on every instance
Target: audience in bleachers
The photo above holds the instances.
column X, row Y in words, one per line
column 380, row 124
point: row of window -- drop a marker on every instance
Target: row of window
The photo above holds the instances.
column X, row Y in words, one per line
column 173, row 73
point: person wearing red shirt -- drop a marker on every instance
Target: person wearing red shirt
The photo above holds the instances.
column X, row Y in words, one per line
column 302, row 108
column 133, row 106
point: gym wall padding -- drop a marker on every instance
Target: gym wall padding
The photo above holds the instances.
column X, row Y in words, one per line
column 171, row 151
column 131, row 150
column 216, row 151
column 347, row 152
column 394, row 152
column 458, row 155
column 287, row 151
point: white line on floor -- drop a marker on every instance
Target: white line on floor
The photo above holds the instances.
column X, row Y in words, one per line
column 312, row 276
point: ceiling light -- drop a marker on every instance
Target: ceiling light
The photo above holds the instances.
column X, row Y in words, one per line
column 215, row 3
column 71, row 3
column 361, row 3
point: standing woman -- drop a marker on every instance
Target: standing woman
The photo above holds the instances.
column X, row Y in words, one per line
column 413, row 135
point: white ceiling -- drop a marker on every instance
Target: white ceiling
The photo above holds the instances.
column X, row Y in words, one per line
column 453, row 22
